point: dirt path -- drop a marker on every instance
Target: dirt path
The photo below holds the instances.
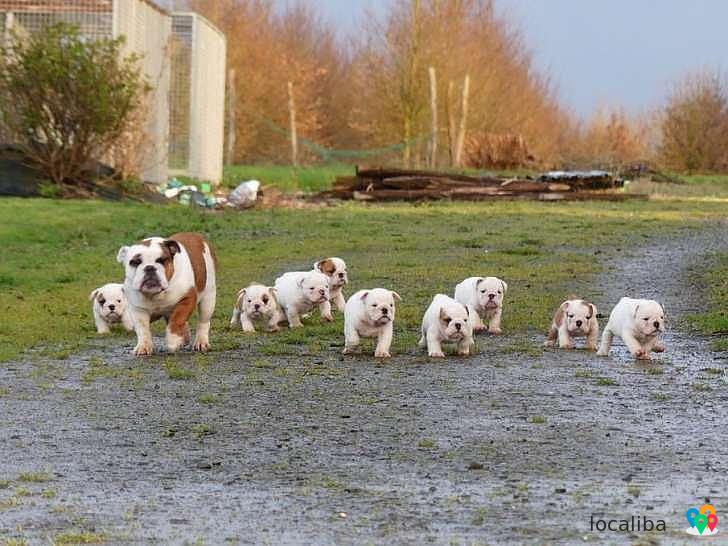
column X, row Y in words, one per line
column 502, row 448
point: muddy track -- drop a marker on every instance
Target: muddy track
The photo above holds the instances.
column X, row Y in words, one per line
column 500, row 448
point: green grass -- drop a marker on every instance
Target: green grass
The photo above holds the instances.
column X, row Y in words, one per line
column 714, row 321
column 84, row 537
column 56, row 252
column 698, row 186
column 287, row 178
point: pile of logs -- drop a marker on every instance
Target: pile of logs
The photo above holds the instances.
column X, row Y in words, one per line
column 415, row 185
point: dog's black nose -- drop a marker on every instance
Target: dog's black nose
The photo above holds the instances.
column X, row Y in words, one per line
column 656, row 325
column 578, row 323
column 458, row 326
column 112, row 307
column 385, row 311
column 491, row 296
column 149, row 269
column 257, row 306
column 322, row 291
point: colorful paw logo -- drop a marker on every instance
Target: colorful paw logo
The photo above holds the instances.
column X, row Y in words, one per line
column 702, row 519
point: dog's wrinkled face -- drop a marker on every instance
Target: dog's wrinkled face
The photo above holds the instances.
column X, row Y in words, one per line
column 379, row 305
column 455, row 321
column 335, row 270
column 577, row 314
column 257, row 300
column 490, row 292
column 315, row 287
column 149, row 265
column 650, row 318
column 110, row 301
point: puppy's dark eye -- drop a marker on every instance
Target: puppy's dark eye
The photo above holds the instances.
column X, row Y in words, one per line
column 465, row 320
column 250, row 301
column 311, row 288
column 265, row 299
column 499, row 291
column 448, row 320
column 482, row 291
column 101, row 302
column 161, row 261
column 135, row 262
column 588, row 318
column 646, row 318
column 571, row 316
column 374, row 304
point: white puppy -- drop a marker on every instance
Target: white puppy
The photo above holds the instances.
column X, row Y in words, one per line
column 485, row 295
column 335, row 269
column 110, row 307
column 298, row 292
column 574, row 318
column 370, row 313
column 256, row 302
column 638, row 323
column 447, row 320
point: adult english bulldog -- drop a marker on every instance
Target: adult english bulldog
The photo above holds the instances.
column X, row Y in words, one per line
column 168, row 278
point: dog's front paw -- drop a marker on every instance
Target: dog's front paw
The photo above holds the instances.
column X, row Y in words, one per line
column 481, row 328
column 568, row 346
column 548, row 343
column 201, row 345
column 274, row 328
column 495, row 331
column 144, row 348
column 328, row 318
column 382, row 354
column 642, row 355
column 659, row 348
column 248, row 329
column 437, row 354
column 464, row 352
column 602, row 352
column 590, row 347
column 348, row 350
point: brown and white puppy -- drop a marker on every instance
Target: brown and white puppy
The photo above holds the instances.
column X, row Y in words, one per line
column 110, row 307
column 256, row 302
column 485, row 295
column 447, row 320
column 370, row 313
column 639, row 323
column 299, row 292
column 574, row 318
column 335, row 269
column 168, row 278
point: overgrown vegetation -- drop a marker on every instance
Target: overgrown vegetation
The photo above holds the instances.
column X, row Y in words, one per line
column 56, row 252
column 715, row 320
column 67, row 100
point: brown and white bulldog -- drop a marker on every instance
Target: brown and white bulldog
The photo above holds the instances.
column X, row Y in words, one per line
column 168, row 278
column 335, row 269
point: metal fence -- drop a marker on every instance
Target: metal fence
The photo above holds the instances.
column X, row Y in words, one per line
column 183, row 58
column 197, row 97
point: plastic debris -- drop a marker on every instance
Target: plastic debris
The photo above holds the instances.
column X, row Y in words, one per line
column 245, row 194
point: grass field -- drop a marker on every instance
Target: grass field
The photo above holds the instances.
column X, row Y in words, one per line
column 288, row 179
column 715, row 320
column 56, row 252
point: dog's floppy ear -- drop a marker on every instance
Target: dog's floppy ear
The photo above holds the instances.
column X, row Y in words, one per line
column 121, row 255
column 396, row 296
column 364, row 296
column 172, row 246
column 478, row 281
column 505, row 286
column 93, row 294
column 300, row 282
column 444, row 317
column 592, row 307
column 564, row 306
column 467, row 310
column 637, row 308
column 662, row 307
column 273, row 291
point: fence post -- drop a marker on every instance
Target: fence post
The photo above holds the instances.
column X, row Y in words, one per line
column 433, row 109
column 231, row 116
column 463, row 121
column 292, row 116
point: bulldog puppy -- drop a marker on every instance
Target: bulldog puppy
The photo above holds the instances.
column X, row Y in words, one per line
column 335, row 269
column 485, row 296
column 638, row 323
column 370, row 313
column 298, row 292
column 256, row 302
column 168, row 278
column 447, row 320
column 574, row 318
column 110, row 307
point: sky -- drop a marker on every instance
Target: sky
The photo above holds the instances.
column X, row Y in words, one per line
column 603, row 52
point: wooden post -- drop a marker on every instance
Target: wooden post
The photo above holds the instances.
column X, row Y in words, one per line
column 450, row 122
column 292, row 116
column 231, row 117
column 433, row 109
column 463, row 121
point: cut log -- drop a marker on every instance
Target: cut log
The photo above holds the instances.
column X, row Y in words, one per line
column 524, row 185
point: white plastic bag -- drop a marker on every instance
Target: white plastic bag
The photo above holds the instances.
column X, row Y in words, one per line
column 245, row 194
